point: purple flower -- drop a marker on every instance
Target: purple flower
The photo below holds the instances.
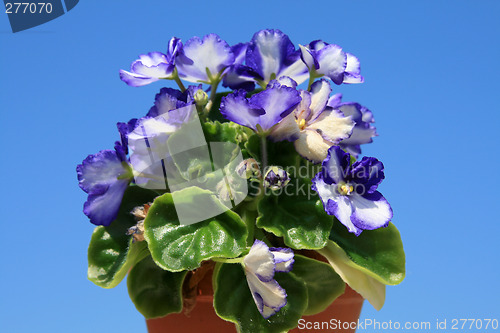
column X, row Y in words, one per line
column 269, row 55
column 350, row 192
column 204, row 60
column 263, row 110
column 312, row 125
column 153, row 66
column 260, row 264
column 329, row 60
column 363, row 131
column 105, row 177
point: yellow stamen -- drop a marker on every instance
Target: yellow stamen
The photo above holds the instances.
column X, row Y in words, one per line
column 301, row 123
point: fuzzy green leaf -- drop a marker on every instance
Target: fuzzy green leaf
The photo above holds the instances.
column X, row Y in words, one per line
column 111, row 252
column 296, row 216
column 378, row 252
column 154, row 291
column 322, row 283
column 177, row 247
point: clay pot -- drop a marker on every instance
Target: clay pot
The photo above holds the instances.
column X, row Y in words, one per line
column 202, row 318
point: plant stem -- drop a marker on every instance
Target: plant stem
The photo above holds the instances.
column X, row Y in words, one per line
column 263, row 150
column 178, row 81
column 229, row 261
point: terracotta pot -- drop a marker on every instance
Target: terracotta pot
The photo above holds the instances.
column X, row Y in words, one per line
column 202, row 317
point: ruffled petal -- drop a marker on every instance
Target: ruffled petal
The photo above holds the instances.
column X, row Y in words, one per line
column 332, row 126
column 367, row 174
column 100, row 169
column 336, row 165
column 260, row 267
column 307, row 57
column 136, row 80
column 370, row 211
column 320, row 92
column 269, row 297
column 283, row 258
column 236, row 108
column 353, row 70
column 198, row 55
column 287, row 129
column 260, row 261
column 332, row 62
column 312, row 146
column 277, row 101
column 102, row 206
column 267, row 52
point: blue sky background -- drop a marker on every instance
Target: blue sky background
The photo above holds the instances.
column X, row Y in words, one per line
column 431, row 70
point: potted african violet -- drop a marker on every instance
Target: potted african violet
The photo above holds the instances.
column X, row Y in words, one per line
column 257, row 194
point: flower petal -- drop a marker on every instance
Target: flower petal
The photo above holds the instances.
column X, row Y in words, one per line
column 312, row 146
column 277, row 101
column 102, row 206
column 267, row 52
column 332, row 62
column 268, row 296
column 198, row 55
column 287, row 129
column 370, row 211
column 320, row 92
column 353, row 70
column 336, row 165
column 332, row 126
column 136, row 80
column 283, row 258
column 236, row 108
column 367, row 174
column 260, row 261
column 100, row 169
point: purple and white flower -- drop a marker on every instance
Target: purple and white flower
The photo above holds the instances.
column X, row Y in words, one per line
column 350, row 192
column 329, row 60
column 105, row 177
column 269, row 55
column 260, row 264
column 363, row 130
column 312, row 125
column 153, row 66
column 263, row 110
column 204, row 60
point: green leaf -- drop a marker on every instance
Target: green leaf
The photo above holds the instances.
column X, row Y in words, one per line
column 295, row 216
column 154, row 291
column 177, row 247
column 379, row 253
column 368, row 287
column 322, row 283
column 111, row 252
column 233, row 301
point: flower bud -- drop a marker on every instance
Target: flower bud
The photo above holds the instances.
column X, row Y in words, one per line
column 276, row 178
column 248, row 168
column 201, row 98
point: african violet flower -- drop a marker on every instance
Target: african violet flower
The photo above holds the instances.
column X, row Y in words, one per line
column 261, row 263
column 105, row 177
column 363, row 131
column 204, row 60
column 329, row 60
column 263, row 110
column 153, row 66
column 269, row 55
column 312, row 125
column 350, row 192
